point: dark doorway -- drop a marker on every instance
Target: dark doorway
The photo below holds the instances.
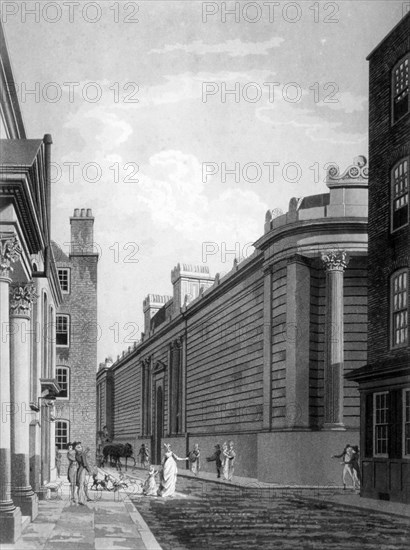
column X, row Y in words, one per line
column 159, row 424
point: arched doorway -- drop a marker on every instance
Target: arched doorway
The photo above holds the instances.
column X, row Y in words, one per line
column 159, row 422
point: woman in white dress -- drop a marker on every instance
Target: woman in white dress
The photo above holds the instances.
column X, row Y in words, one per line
column 169, row 473
column 225, row 460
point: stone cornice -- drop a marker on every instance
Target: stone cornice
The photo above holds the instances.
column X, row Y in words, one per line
column 312, row 226
column 19, row 192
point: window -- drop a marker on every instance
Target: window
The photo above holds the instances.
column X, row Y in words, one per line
column 406, row 423
column 401, row 88
column 64, row 278
column 400, row 194
column 62, row 434
column 380, row 423
column 63, row 380
column 62, row 330
column 399, row 308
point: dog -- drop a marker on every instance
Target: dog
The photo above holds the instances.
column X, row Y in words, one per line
column 102, row 483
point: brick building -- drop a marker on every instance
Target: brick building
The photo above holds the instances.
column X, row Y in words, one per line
column 257, row 356
column 30, row 295
column 77, row 334
column 384, row 382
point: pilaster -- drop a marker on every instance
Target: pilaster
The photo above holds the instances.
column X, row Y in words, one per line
column 297, row 342
column 335, row 263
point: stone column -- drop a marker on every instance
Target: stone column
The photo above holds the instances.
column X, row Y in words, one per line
column 10, row 516
column 335, row 262
column 22, row 297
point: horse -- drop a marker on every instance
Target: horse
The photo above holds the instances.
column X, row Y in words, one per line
column 116, row 452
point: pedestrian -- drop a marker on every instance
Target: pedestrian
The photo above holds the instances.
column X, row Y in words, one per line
column 149, row 488
column 356, row 463
column 87, row 479
column 144, row 456
column 230, row 461
column 347, row 460
column 72, row 470
column 194, row 462
column 224, row 460
column 216, row 457
column 106, row 436
column 59, row 456
column 169, row 472
column 83, row 467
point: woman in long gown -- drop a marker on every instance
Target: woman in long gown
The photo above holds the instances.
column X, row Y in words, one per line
column 72, row 470
column 169, row 473
column 225, row 460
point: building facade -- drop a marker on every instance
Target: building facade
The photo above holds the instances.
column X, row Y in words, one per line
column 30, row 296
column 77, row 334
column 47, row 388
column 384, row 382
column 257, row 356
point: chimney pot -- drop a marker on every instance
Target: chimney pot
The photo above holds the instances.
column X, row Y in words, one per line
column 76, row 212
column 89, row 213
column 82, row 212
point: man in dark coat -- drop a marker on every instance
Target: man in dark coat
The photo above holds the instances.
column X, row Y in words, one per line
column 83, row 467
column 216, row 457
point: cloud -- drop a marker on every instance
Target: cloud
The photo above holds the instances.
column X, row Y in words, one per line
column 281, row 114
column 345, row 101
column 234, row 48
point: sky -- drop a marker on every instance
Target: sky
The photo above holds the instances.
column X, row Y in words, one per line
column 180, row 123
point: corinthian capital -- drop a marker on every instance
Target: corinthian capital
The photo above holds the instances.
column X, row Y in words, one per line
column 9, row 253
column 335, row 260
column 22, row 296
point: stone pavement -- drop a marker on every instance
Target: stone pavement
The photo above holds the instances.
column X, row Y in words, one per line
column 110, row 520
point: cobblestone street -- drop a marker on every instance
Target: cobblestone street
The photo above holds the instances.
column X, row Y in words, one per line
column 206, row 516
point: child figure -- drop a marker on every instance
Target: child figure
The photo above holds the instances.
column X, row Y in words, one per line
column 193, row 458
column 144, row 456
column 216, row 457
column 150, row 486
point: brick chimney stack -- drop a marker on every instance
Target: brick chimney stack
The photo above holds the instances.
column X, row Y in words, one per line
column 82, row 232
column 152, row 304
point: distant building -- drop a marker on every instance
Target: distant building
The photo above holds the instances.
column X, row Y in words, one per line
column 30, row 295
column 257, row 356
column 77, row 334
column 384, row 382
